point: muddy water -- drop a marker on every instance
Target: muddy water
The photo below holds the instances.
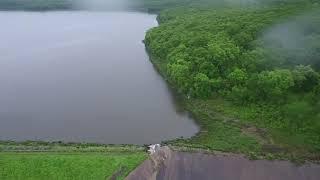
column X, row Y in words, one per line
column 83, row 77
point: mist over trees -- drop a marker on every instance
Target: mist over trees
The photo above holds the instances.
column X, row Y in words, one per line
column 266, row 58
column 257, row 54
column 295, row 41
column 146, row 5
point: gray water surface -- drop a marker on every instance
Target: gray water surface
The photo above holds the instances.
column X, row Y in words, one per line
column 83, row 77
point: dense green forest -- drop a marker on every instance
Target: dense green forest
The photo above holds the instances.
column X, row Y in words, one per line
column 263, row 61
column 255, row 62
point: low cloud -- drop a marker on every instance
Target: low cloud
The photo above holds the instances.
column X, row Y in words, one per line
column 103, row 4
column 297, row 39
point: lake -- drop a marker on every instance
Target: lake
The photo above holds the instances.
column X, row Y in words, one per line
column 83, row 77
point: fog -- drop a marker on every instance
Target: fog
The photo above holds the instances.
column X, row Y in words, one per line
column 103, row 4
column 132, row 4
column 296, row 39
column 292, row 34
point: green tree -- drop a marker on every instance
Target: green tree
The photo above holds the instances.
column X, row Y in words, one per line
column 237, row 77
column 223, row 52
column 202, row 86
column 273, row 85
column 180, row 73
column 305, row 78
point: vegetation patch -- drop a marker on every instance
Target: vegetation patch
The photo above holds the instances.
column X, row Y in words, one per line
column 67, row 165
column 250, row 88
column 42, row 160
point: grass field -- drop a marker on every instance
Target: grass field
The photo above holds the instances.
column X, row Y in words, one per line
column 37, row 162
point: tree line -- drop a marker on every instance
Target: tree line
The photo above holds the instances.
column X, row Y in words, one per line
column 210, row 52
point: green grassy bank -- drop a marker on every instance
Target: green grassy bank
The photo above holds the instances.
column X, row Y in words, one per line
column 41, row 160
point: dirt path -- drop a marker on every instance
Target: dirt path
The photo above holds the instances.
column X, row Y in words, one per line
column 169, row 165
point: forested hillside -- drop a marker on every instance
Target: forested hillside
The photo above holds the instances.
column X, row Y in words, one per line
column 248, row 69
column 262, row 60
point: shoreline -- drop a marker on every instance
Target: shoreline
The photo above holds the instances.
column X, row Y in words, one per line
column 181, row 144
column 268, row 150
column 43, row 146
